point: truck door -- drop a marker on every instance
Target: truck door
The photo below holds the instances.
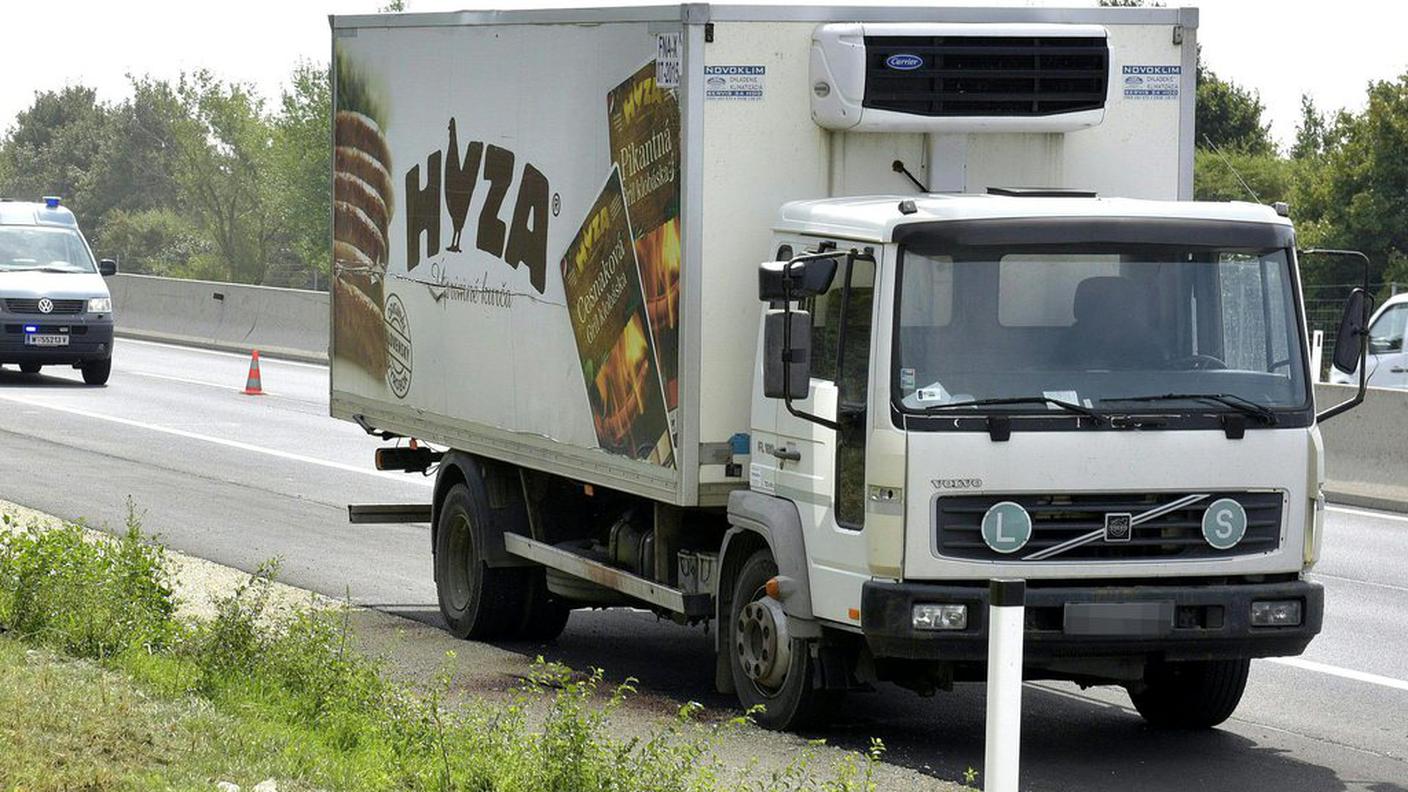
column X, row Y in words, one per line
column 827, row 481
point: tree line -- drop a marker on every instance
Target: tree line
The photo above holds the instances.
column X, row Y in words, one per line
column 1345, row 176
column 195, row 177
column 202, row 178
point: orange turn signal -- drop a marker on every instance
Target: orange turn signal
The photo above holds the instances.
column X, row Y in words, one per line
column 773, row 589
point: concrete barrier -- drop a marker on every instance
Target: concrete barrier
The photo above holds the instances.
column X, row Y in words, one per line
column 291, row 323
column 1366, row 449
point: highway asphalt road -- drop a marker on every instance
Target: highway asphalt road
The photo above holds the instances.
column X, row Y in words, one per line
column 239, row 480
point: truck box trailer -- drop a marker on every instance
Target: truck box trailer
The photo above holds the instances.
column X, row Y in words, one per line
column 964, row 357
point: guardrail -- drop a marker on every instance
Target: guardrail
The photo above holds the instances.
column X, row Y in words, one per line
column 1366, row 449
column 290, row 323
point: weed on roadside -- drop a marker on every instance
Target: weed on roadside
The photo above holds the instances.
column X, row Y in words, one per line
column 294, row 700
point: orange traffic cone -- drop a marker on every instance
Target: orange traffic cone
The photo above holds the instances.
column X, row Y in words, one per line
column 252, row 385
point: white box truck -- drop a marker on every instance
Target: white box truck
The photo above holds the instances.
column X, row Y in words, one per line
column 992, row 338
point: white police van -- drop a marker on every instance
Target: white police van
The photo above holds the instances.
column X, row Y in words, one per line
column 55, row 308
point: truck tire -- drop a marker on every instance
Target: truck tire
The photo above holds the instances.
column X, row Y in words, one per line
column 478, row 602
column 1191, row 695
column 545, row 616
column 97, row 371
column 31, row 368
column 780, row 676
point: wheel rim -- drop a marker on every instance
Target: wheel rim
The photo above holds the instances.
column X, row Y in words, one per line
column 457, row 589
column 762, row 646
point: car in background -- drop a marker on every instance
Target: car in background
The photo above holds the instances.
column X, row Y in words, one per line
column 1388, row 362
column 55, row 309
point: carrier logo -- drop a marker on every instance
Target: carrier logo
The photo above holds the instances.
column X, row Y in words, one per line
column 46, row 305
column 903, row 61
column 398, row 347
column 523, row 241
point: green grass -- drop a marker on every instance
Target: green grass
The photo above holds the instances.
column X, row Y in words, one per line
column 102, row 687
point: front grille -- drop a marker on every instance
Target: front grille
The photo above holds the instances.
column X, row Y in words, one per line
column 1176, row 536
column 986, row 75
column 32, row 307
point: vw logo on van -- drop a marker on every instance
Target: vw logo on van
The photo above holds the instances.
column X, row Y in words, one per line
column 46, row 305
column 903, row 61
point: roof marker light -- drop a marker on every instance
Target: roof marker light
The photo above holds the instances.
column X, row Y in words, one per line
column 51, row 201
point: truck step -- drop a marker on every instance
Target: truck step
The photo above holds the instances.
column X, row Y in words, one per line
column 362, row 513
column 693, row 606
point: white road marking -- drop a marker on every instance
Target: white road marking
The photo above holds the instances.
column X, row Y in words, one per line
column 222, row 353
column 1345, row 673
column 274, row 452
column 1378, row 515
column 1344, row 579
column 187, row 380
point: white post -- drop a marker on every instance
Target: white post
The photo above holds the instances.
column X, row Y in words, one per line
column 1006, row 600
column 1317, row 349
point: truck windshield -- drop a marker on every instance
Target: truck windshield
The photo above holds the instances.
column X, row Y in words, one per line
column 43, row 249
column 1121, row 328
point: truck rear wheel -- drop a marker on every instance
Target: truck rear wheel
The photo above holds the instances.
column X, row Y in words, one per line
column 545, row 616
column 1191, row 695
column 478, row 601
column 769, row 667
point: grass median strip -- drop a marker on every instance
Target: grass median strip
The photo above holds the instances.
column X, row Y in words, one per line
column 104, row 684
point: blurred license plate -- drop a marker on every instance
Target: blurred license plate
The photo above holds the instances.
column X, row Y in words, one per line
column 46, row 340
column 1119, row 618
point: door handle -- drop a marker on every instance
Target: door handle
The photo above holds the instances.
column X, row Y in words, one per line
column 787, row 454
column 1398, row 369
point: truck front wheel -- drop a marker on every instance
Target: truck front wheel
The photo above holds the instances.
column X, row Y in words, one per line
column 1191, row 695
column 770, row 668
column 478, row 601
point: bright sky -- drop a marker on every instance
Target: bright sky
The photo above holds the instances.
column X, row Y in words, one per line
column 1280, row 48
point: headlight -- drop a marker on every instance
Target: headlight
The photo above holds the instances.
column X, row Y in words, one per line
column 940, row 617
column 100, row 305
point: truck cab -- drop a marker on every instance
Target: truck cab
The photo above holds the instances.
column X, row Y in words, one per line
column 1107, row 398
column 55, row 309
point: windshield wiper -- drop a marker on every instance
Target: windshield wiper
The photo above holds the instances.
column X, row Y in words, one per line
column 1070, row 407
column 1241, row 404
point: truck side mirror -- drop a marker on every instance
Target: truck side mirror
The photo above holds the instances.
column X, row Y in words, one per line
column 786, row 367
column 808, row 278
column 107, row 267
column 1349, row 340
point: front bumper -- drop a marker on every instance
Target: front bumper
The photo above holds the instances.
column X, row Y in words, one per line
column 1211, row 622
column 90, row 339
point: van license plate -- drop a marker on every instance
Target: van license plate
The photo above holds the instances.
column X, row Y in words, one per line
column 46, row 340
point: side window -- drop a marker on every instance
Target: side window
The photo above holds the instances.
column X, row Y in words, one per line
column 825, row 309
column 854, row 341
column 841, row 319
column 840, row 353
